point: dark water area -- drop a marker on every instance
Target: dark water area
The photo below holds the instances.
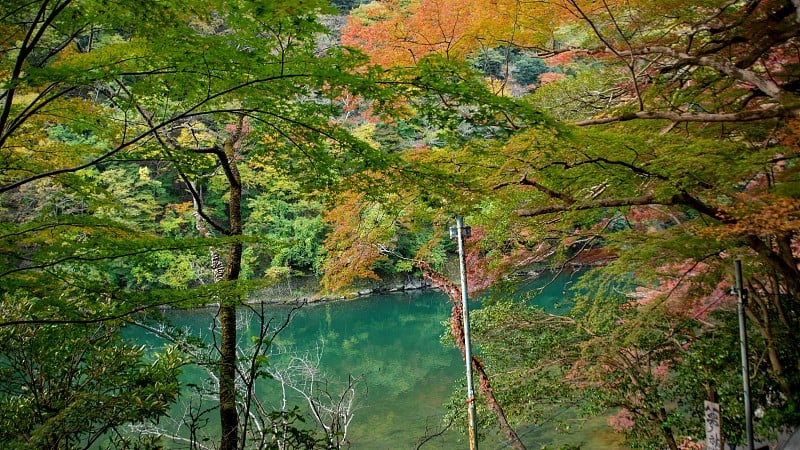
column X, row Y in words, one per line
column 394, row 342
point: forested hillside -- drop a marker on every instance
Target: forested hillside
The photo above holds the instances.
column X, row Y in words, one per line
column 177, row 154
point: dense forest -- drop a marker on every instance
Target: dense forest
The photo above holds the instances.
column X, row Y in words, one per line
column 177, row 154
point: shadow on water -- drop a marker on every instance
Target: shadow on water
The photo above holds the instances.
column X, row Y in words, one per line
column 394, row 341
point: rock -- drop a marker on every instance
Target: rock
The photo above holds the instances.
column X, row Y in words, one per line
column 413, row 285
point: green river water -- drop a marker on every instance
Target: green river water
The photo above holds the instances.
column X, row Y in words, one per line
column 394, row 342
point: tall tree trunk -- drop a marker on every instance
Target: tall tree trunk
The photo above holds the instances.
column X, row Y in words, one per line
column 229, row 416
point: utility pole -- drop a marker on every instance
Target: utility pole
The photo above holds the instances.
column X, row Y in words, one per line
column 742, row 296
column 461, row 232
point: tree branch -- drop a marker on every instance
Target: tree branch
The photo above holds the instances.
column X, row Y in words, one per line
column 648, row 199
column 742, row 116
column 766, row 86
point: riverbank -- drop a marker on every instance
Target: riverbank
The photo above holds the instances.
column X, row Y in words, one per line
column 308, row 289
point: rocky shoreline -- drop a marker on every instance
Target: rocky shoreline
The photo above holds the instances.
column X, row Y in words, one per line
column 307, row 290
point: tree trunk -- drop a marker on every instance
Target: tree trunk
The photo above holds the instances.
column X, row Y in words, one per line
column 457, row 330
column 782, row 264
column 667, row 431
column 229, row 416
column 494, row 405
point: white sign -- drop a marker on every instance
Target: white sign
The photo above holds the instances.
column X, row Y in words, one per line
column 713, row 426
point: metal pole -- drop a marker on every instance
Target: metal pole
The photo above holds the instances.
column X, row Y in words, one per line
column 742, row 295
column 471, row 414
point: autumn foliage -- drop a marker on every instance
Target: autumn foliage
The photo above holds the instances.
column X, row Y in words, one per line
column 684, row 158
column 394, row 32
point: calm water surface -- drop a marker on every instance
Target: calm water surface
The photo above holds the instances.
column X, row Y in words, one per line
column 394, row 342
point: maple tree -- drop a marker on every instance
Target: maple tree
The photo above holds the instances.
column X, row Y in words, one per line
column 685, row 158
column 172, row 96
column 638, row 210
column 677, row 57
column 395, row 33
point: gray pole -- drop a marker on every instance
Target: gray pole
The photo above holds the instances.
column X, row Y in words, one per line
column 742, row 295
column 471, row 414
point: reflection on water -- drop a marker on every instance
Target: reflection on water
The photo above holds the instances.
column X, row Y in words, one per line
column 394, row 342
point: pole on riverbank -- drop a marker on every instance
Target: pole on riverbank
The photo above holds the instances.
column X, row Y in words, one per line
column 742, row 297
column 460, row 233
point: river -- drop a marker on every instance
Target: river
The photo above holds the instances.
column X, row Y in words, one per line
column 394, row 342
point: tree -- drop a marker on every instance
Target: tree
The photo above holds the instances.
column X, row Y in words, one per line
column 707, row 85
column 267, row 421
column 730, row 48
column 676, row 56
column 596, row 204
column 56, row 393
column 686, row 159
column 493, row 62
column 91, row 90
column 399, row 33
column 527, row 70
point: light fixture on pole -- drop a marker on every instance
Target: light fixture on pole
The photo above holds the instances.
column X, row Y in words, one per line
column 461, row 232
